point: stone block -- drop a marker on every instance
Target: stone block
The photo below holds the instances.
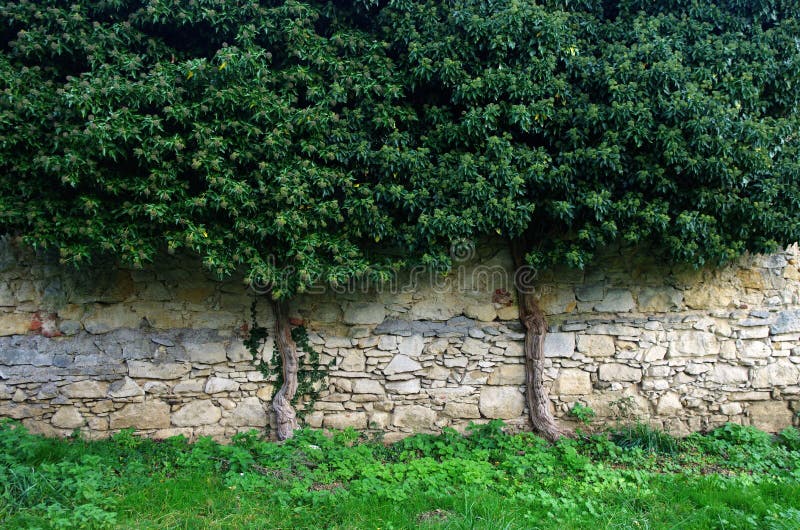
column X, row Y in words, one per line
column 86, row 389
column 151, row 414
column 414, row 417
column 474, row 347
column 727, row 374
column 67, row 417
column 461, row 411
column 216, row 385
column 754, row 349
column 206, row 352
column 411, row 346
column 200, row 412
column 507, row 374
column 352, row 361
column 780, row 373
column 104, row 319
column 787, row 322
column 364, row 313
column 669, row 404
column 554, row 301
column 482, row 312
column 596, row 345
column 367, row 386
column 572, row 381
column 693, row 344
column 125, row 388
column 248, row 413
column 770, row 416
column 342, row 420
column 401, row 364
column 387, row 342
column 502, row 402
column 659, row 299
column 590, row 293
column 617, row 372
column 409, row 386
column 559, row 344
column 616, row 301
column 148, row 370
column 709, row 295
column 14, row 324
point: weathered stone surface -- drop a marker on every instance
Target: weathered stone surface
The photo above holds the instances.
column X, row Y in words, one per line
column 669, row 404
column 409, row 386
column 248, row 413
column 693, row 344
column 104, row 319
column 206, row 352
column 755, row 349
column 507, row 374
column 473, row 347
column 590, row 293
column 619, row 372
column 353, row 361
column 559, row 344
column 236, row 351
column 67, row 418
column 342, row 420
column 556, row 301
column 503, row 402
column 125, row 388
column 411, row 346
column 709, row 295
column 148, row 370
column 727, row 374
column 616, row 301
column 215, row 385
column 364, row 313
column 387, row 343
column 189, row 386
column 787, row 322
column 482, row 312
column 200, row 412
column 461, row 411
column 14, row 323
column 780, row 373
column 401, row 364
column 414, row 417
column 596, row 345
column 572, row 381
column 770, row 416
column 151, row 414
column 86, row 389
column 659, row 300
column 367, row 386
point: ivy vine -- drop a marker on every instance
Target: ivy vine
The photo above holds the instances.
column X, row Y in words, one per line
column 309, row 372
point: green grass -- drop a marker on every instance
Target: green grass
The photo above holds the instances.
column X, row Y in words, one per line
column 734, row 477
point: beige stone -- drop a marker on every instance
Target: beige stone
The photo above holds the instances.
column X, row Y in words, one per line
column 559, row 344
column 770, row 416
column 411, row 346
column 379, row 420
column 151, row 414
column 14, row 324
column 409, row 386
column 572, row 381
column 200, row 412
column 86, row 389
column 751, row 278
column 342, row 420
column 148, row 370
column 461, row 411
column 693, row 344
column 503, row 402
column 105, row 318
column 596, row 345
column 619, row 372
column 507, row 374
column 206, row 352
column 124, row 388
column 510, row 312
column 780, row 373
column 249, row 412
column 729, row 374
column 555, row 300
column 482, row 312
column 265, row 392
column 401, row 364
column 352, row 361
column 215, row 385
column 68, row 418
column 669, row 404
column 415, row 417
column 709, row 295
column 367, row 386
column 364, row 313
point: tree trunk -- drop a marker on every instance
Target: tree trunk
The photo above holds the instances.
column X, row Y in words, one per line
column 533, row 320
column 282, row 402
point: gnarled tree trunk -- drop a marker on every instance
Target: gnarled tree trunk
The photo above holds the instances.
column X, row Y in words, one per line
column 533, row 320
column 282, row 402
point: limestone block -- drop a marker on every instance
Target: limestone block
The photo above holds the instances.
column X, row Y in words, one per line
column 669, row 404
column 754, row 349
column 200, row 412
column 507, row 374
column 465, row 411
column 474, row 347
column 379, row 420
column 148, row 370
column 189, row 386
column 616, row 301
column 409, row 386
column 125, row 388
column 659, row 299
column 67, row 418
column 770, row 416
column 554, row 301
column 342, row 420
column 596, row 345
column 559, row 344
column 151, row 414
column 364, row 313
column 693, row 344
column 215, row 385
column 755, row 332
column 709, row 295
column 590, row 293
column 401, row 364
column 86, row 389
column 353, row 360
column 236, row 351
column 206, row 352
column 108, row 318
column 619, row 372
column 387, row 342
column 14, row 324
column 265, row 392
column 787, row 322
column 415, row 417
column 503, row 402
column 727, row 374
column 572, row 381
column 482, row 312
column 18, row 411
column 780, row 373
column 411, row 346
column 367, row 386
column 249, row 412
column 509, row 312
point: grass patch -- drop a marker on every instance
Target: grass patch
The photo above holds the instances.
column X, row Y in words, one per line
column 733, row 477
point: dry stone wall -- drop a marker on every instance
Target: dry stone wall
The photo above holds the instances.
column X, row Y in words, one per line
column 161, row 351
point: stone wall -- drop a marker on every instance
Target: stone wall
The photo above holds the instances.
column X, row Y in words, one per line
column 160, row 350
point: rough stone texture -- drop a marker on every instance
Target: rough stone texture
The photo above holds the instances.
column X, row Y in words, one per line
column 504, row 402
column 161, row 350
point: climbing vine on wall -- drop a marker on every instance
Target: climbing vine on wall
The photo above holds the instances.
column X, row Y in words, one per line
column 311, row 370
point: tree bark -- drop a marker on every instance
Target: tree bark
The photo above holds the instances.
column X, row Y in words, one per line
column 282, row 402
column 535, row 323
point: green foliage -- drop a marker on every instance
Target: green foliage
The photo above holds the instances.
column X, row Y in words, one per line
column 645, row 437
column 289, row 139
column 582, row 413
